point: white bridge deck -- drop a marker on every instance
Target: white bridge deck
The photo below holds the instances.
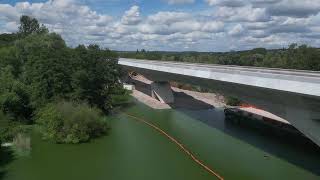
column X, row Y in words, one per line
column 293, row 95
column 296, row 81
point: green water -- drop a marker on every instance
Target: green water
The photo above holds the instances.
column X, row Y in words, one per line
column 134, row 151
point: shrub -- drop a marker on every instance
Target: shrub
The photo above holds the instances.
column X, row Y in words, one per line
column 10, row 129
column 232, row 101
column 121, row 97
column 67, row 122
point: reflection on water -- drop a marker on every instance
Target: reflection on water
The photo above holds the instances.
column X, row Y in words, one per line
column 134, row 151
column 292, row 148
column 22, row 144
column 6, row 157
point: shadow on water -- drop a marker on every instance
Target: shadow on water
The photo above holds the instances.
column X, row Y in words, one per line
column 6, row 156
column 184, row 101
column 297, row 150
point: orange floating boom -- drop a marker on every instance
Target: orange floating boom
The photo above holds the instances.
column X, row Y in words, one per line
column 183, row 148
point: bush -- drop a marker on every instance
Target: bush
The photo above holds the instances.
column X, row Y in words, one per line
column 120, row 97
column 10, row 129
column 67, row 122
column 232, row 101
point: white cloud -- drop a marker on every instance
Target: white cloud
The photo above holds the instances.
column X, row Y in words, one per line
column 239, row 24
column 180, row 1
column 72, row 20
column 132, row 16
column 8, row 12
column 245, row 13
column 11, row 26
column 236, row 30
column 168, row 17
column 295, row 8
column 213, row 26
column 227, row 3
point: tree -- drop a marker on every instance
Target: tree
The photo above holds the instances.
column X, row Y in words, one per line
column 47, row 67
column 7, row 39
column 14, row 97
column 29, row 25
column 37, row 68
column 293, row 57
column 96, row 76
column 9, row 57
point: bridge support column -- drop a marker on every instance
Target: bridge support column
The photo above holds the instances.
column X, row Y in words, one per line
column 307, row 121
column 162, row 91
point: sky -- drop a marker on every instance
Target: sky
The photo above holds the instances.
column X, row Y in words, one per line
column 172, row 25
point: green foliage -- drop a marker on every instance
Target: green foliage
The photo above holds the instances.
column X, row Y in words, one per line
column 47, row 67
column 96, row 76
column 66, row 122
column 4, row 124
column 8, row 57
column 233, row 101
column 14, row 97
column 37, row 68
column 120, row 98
column 294, row 57
column 53, row 71
column 10, row 129
column 7, row 39
column 29, row 26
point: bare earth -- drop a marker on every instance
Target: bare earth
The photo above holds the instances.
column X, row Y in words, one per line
column 183, row 98
column 263, row 113
column 188, row 99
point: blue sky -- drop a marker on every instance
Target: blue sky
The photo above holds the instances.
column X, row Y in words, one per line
column 117, row 7
column 173, row 25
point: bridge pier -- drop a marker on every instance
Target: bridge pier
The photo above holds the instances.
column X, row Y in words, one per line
column 306, row 120
column 290, row 94
column 162, row 91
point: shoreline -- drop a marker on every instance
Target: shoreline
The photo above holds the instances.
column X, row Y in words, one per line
column 183, row 98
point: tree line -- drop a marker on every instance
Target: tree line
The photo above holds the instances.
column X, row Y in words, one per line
column 302, row 57
column 38, row 71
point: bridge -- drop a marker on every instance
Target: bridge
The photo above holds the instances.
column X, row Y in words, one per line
column 290, row 94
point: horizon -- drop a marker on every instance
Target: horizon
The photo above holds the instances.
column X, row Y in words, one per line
column 173, row 25
column 271, row 49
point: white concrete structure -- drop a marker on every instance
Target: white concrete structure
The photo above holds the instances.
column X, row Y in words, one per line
column 279, row 79
column 162, row 91
column 128, row 87
column 290, row 94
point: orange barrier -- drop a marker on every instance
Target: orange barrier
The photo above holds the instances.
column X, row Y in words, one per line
column 195, row 159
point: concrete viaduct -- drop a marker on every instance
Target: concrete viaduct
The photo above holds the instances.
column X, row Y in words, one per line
column 290, row 94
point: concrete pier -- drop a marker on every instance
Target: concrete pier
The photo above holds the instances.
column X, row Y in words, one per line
column 162, row 91
column 293, row 95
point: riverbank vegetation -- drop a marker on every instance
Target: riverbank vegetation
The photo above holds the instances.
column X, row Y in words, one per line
column 233, row 101
column 293, row 57
column 39, row 73
column 66, row 122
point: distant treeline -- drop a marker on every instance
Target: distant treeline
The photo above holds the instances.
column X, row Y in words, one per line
column 294, row 57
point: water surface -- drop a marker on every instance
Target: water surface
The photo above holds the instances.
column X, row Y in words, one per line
column 134, row 151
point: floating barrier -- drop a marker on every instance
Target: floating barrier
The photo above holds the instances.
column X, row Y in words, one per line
column 182, row 147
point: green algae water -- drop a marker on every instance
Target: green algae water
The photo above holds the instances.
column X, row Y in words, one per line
column 134, row 151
